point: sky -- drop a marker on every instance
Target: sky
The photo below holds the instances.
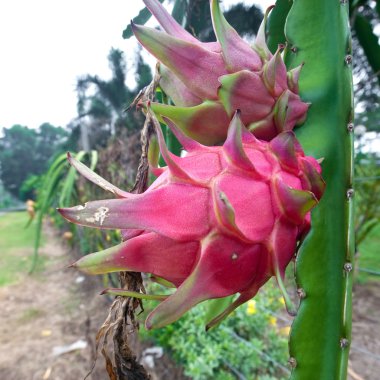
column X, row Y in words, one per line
column 47, row 44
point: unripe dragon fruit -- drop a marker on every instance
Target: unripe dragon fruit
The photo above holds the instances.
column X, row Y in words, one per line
column 220, row 221
column 208, row 82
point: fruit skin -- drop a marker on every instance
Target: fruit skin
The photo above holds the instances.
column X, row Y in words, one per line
column 210, row 81
column 221, row 220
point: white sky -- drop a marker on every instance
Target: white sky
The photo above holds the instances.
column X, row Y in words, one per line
column 46, row 44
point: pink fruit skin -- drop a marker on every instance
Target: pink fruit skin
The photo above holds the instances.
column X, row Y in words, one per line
column 228, row 72
column 220, row 221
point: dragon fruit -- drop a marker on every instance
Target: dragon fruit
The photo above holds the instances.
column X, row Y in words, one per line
column 217, row 222
column 208, row 82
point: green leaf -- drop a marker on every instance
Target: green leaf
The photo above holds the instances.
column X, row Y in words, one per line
column 141, row 19
column 369, row 42
column 216, row 306
column 44, row 199
column 180, row 10
column 366, row 229
column 276, row 24
column 69, row 183
column 94, row 159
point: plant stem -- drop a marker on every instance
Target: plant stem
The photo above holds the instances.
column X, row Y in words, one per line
column 318, row 34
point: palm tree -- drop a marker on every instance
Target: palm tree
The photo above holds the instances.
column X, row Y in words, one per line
column 103, row 111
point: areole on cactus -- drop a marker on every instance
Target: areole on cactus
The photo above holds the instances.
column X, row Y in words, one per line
column 220, row 221
column 208, row 82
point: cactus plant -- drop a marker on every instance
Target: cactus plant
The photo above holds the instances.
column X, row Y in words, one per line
column 313, row 33
column 321, row 332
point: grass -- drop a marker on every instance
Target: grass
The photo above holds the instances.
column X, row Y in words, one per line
column 16, row 247
column 31, row 314
column 369, row 256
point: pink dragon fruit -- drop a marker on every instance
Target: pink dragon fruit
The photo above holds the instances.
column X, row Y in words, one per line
column 208, row 82
column 220, row 221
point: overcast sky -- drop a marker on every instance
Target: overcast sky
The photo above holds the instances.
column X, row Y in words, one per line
column 46, row 44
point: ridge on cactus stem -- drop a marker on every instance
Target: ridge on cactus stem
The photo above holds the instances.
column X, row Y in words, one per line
column 220, row 221
column 210, row 81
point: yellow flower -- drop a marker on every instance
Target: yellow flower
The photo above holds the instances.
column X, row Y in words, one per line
column 46, row 332
column 281, row 300
column 67, row 235
column 251, row 307
column 272, row 320
column 285, row 330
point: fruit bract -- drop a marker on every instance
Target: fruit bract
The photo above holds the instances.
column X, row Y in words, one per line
column 220, row 221
column 208, row 82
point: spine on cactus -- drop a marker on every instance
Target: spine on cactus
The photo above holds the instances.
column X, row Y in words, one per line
column 318, row 34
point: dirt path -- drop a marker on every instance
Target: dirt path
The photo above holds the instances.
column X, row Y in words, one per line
column 365, row 351
column 59, row 307
column 53, row 309
column 45, row 311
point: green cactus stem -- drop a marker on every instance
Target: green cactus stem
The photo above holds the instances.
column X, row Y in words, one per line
column 318, row 34
column 276, row 24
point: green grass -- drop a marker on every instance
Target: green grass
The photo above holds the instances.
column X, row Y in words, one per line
column 16, row 247
column 31, row 314
column 369, row 256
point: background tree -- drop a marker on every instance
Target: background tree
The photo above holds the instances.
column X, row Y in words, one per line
column 25, row 152
column 195, row 16
column 102, row 103
column 364, row 16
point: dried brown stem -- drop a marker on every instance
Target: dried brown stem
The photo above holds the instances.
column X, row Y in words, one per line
column 120, row 323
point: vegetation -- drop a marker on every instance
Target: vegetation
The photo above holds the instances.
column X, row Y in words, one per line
column 16, row 247
column 26, row 152
column 103, row 102
column 7, row 200
column 368, row 264
column 364, row 16
column 327, row 133
column 252, row 343
column 367, row 195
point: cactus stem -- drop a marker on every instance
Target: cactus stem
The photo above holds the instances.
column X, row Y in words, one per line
column 326, row 81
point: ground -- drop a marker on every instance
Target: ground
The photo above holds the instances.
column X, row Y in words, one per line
column 57, row 307
column 45, row 310
column 365, row 352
